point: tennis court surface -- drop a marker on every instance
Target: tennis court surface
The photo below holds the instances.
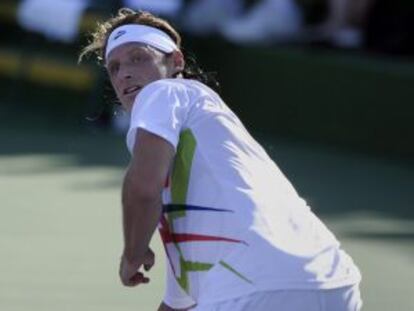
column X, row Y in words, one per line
column 60, row 223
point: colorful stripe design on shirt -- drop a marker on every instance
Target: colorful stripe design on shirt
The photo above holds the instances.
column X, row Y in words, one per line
column 169, row 208
column 182, row 170
column 231, row 269
column 179, row 188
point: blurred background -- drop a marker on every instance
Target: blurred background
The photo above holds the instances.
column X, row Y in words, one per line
column 327, row 86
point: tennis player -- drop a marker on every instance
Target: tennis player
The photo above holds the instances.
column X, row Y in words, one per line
column 237, row 236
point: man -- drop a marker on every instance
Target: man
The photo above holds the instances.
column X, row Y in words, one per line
column 236, row 234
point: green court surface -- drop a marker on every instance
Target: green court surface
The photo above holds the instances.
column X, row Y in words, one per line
column 60, row 221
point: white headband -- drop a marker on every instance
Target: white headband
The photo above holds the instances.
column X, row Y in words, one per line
column 141, row 34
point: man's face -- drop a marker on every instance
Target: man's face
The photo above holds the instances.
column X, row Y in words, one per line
column 132, row 66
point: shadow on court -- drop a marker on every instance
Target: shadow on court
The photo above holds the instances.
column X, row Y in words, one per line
column 406, row 236
column 336, row 181
column 333, row 182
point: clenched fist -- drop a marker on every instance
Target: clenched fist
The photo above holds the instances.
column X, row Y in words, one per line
column 129, row 271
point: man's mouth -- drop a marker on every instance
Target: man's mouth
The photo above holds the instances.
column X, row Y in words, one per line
column 131, row 89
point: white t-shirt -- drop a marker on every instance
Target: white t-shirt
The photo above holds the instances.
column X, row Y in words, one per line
column 232, row 222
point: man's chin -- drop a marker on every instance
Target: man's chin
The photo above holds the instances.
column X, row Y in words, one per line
column 127, row 103
column 128, row 107
column 129, row 100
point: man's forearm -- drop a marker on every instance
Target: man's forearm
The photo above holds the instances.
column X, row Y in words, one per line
column 141, row 213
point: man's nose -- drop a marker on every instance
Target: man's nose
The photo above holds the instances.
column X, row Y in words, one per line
column 125, row 73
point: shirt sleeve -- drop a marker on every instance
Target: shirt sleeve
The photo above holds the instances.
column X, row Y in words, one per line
column 175, row 297
column 161, row 109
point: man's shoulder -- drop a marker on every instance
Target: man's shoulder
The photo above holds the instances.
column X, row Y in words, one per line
column 186, row 89
column 180, row 91
column 179, row 84
column 164, row 88
column 171, row 84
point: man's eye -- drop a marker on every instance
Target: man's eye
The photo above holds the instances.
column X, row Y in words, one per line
column 137, row 59
column 113, row 69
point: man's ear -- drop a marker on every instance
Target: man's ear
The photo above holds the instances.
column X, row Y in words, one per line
column 178, row 61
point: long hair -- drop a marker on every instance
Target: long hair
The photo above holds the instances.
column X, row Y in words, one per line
column 99, row 37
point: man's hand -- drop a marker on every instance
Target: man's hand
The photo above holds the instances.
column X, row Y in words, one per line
column 128, row 271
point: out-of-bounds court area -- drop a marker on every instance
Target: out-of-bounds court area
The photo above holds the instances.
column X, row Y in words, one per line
column 60, row 218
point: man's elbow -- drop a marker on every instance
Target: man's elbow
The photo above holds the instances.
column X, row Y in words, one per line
column 140, row 192
column 141, row 196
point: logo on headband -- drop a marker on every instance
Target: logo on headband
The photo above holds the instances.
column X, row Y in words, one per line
column 119, row 34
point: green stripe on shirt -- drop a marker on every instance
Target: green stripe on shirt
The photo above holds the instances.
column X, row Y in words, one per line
column 182, row 170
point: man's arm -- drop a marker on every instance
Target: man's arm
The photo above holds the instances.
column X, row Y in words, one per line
column 141, row 200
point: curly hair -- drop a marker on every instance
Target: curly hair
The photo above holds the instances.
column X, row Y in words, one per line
column 99, row 37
